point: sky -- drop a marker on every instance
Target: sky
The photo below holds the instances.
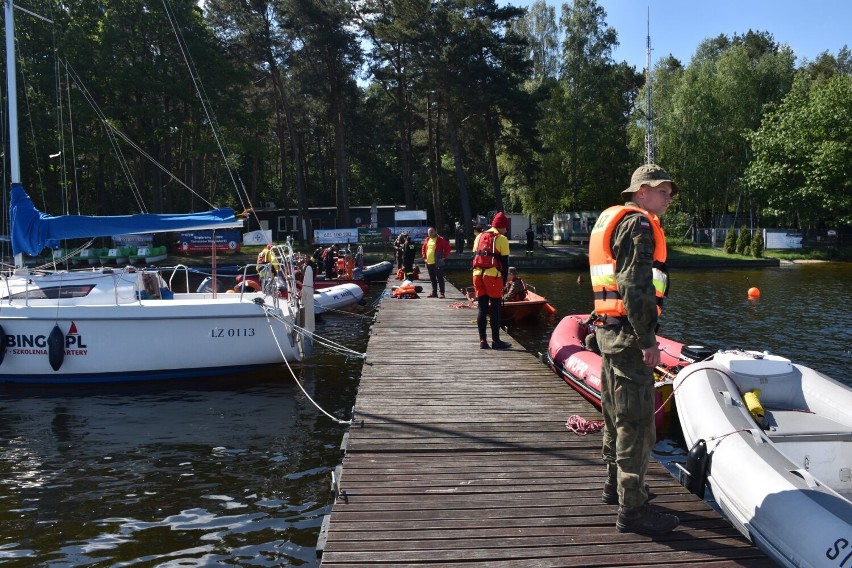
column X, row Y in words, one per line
column 678, row 26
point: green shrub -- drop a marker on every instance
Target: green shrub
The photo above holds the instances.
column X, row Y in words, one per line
column 743, row 240
column 757, row 244
column 677, row 225
column 730, row 245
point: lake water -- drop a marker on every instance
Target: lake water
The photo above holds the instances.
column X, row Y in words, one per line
column 237, row 471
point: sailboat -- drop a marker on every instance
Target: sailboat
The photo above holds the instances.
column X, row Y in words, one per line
column 125, row 323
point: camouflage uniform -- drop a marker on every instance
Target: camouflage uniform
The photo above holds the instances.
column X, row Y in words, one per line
column 627, row 385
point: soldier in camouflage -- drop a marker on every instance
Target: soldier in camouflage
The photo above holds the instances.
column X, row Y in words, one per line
column 630, row 352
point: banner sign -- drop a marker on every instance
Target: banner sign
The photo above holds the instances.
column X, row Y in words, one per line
column 339, row 236
column 373, row 236
column 227, row 240
column 254, row 238
column 781, row 239
column 140, row 240
column 416, row 233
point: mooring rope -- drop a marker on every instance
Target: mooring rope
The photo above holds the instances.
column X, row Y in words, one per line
column 325, row 342
column 269, row 317
column 581, row 426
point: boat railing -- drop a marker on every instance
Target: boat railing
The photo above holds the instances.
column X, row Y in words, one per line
column 175, row 269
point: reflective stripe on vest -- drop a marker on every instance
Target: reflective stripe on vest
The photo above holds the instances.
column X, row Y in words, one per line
column 608, row 300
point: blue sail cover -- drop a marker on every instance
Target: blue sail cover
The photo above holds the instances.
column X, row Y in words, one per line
column 33, row 230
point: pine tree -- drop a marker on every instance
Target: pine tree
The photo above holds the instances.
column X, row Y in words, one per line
column 744, row 240
column 730, row 245
column 757, row 244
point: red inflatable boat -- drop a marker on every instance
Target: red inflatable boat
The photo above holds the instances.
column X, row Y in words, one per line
column 581, row 368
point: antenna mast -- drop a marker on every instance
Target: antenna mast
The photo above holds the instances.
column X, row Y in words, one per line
column 649, row 113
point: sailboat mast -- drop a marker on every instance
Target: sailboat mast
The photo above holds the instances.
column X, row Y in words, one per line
column 649, row 113
column 12, row 93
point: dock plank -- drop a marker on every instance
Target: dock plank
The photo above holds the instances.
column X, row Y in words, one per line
column 460, row 457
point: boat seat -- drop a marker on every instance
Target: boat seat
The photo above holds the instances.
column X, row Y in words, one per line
column 799, row 426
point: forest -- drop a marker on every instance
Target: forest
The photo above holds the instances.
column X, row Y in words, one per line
column 458, row 107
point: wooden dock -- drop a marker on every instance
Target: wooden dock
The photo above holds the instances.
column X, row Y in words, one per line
column 460, row 457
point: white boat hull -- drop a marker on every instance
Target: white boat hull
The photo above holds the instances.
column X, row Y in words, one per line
column 122, row 325
column 786, row 487
column 337, row 297
column 109, row 343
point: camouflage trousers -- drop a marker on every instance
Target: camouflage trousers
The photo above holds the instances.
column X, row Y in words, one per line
column 629, row 434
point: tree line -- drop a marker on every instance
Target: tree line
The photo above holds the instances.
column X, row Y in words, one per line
column 459, row 107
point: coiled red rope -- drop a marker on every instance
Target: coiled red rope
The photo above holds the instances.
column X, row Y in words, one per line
column 581, row 426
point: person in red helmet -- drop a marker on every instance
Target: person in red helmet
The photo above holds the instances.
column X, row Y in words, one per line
column 490, row 264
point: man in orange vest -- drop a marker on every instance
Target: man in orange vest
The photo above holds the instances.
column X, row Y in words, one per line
column 490, row 264
column 627, row 253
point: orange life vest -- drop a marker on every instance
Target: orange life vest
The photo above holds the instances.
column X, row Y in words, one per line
column 608, row 299
column 485, row 255
column 405, row 292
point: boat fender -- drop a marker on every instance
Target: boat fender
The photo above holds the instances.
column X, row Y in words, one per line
column 56, row 347
column 2, row 344
column 696, row 468
column 755, row 408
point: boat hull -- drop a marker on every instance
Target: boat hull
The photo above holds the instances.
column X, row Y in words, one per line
column 529, row 308
column 787, row 485
column 337, row 297
column 378, row 272
column 520, row 311
column 126, row 342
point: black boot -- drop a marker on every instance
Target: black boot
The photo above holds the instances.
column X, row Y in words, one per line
column 645, row 520
column 610, row 490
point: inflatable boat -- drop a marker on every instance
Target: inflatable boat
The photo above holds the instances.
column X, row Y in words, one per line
column 580, row 366
column 773, row 440
column 337, row 297
column 531, row 307
column 378, row 272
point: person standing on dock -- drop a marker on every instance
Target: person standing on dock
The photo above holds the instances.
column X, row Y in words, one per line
column 530, row 241
column 435, row 251
column 460, row 238
column 329, row 259
column 627, row 254
column 408, row 251
column 490, row 261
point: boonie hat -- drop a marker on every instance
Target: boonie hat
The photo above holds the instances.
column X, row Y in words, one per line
column 649, row 174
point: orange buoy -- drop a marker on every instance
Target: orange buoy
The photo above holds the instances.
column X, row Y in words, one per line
column 753, row 292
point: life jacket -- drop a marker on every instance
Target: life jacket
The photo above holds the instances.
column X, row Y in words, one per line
column 521, row 294
column 405, row 292
column 609, row 302
column 485, row 255
column 267, row 256
column 263, row 256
